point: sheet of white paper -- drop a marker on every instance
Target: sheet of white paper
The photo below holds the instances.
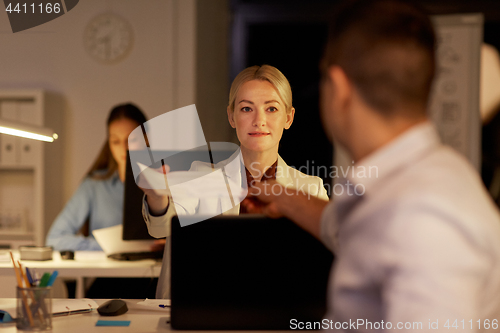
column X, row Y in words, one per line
column 155, row 303
column 150, row 305
column 192, row 184
column 110, row 240
column 152, row 179
column 90, row 256
column 5, row 257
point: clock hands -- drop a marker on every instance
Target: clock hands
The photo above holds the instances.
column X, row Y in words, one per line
column 108, row 38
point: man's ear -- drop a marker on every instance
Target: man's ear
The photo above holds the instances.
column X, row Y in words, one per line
column 289, row 118
column 230, row 117
column 342, row 87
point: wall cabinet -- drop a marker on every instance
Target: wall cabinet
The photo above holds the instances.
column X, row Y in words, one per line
column 21, row 172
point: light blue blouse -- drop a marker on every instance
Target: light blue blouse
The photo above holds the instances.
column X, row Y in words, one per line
column 99, row 200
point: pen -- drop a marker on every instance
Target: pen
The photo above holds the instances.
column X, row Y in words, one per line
column 36, row 277
column 163, row 306
column 30, row 278
column 44, row 280
column 52, row 278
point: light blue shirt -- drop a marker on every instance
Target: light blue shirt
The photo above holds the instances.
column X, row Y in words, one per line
column 420, row 246
column 99, row 200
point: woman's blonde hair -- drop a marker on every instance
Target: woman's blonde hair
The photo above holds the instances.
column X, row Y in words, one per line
column 263, row 73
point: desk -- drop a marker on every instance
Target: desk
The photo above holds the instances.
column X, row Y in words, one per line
column 143, row 321
column 102, row 267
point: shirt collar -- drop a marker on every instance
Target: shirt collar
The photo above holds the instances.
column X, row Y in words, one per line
column 114, row 178
column 398, row 153
column 270, row 173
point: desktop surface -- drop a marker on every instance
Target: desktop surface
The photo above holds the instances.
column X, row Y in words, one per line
column 140, row 321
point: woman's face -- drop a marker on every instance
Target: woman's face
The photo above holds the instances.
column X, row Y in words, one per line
column 259, row 116
column 119, row 131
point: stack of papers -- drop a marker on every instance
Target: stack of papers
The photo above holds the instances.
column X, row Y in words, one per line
column 60, row 306
column 110, row 240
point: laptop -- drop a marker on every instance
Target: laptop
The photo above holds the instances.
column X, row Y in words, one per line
column 246, row 272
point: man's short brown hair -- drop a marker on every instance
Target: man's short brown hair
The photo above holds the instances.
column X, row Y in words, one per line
column 387, row 49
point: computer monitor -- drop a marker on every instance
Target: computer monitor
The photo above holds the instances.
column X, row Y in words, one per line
column 134, row 226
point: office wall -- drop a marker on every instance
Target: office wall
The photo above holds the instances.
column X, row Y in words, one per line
column 158, row 75
column 212, row 68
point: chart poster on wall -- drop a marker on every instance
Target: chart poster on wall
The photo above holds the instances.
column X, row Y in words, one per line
column 454, row 104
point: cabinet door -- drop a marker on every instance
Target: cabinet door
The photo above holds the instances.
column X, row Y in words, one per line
column 27, row 113
column 28, row 151
column 8, row 110
column 9, row 149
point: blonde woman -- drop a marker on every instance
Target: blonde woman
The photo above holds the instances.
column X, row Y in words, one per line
column 260, row 109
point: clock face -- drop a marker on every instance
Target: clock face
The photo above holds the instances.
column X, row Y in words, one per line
column 108, row 38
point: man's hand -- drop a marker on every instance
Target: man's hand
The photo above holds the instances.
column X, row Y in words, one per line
column 158, row 245
column 262, row 200
column 274, row 200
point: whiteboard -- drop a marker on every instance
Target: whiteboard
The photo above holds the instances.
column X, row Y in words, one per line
column 454, row 103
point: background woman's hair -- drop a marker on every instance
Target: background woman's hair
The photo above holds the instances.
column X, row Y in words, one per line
column 105, row 163
column 263, row 73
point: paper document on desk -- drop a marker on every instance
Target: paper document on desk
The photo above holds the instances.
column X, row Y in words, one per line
column 111, row 242
column 90, row 256
column 160, row 305
column 60, row 306
column 4, row 257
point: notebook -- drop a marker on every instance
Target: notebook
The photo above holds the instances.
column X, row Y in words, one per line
column 60, row 306
column 111, row 242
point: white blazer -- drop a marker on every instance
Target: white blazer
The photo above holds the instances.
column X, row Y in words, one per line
column 159, row 226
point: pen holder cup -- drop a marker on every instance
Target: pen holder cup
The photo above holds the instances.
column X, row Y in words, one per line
column 34, row 309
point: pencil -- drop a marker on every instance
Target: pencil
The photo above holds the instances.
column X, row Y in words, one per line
column 33, row 300
column 23, row 276
column 20, row 285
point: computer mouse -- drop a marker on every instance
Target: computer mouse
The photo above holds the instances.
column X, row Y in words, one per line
column 67, row 255
column 115, row 307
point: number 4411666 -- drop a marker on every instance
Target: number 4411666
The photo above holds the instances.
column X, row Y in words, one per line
column 486, row 324
column 32, row 8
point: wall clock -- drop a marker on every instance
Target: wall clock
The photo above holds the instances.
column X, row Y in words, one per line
column 108, row 38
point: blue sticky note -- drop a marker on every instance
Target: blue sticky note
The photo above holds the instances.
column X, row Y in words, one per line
column 112, row 323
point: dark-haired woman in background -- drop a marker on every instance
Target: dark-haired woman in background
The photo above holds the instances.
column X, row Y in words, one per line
column 99, row 198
